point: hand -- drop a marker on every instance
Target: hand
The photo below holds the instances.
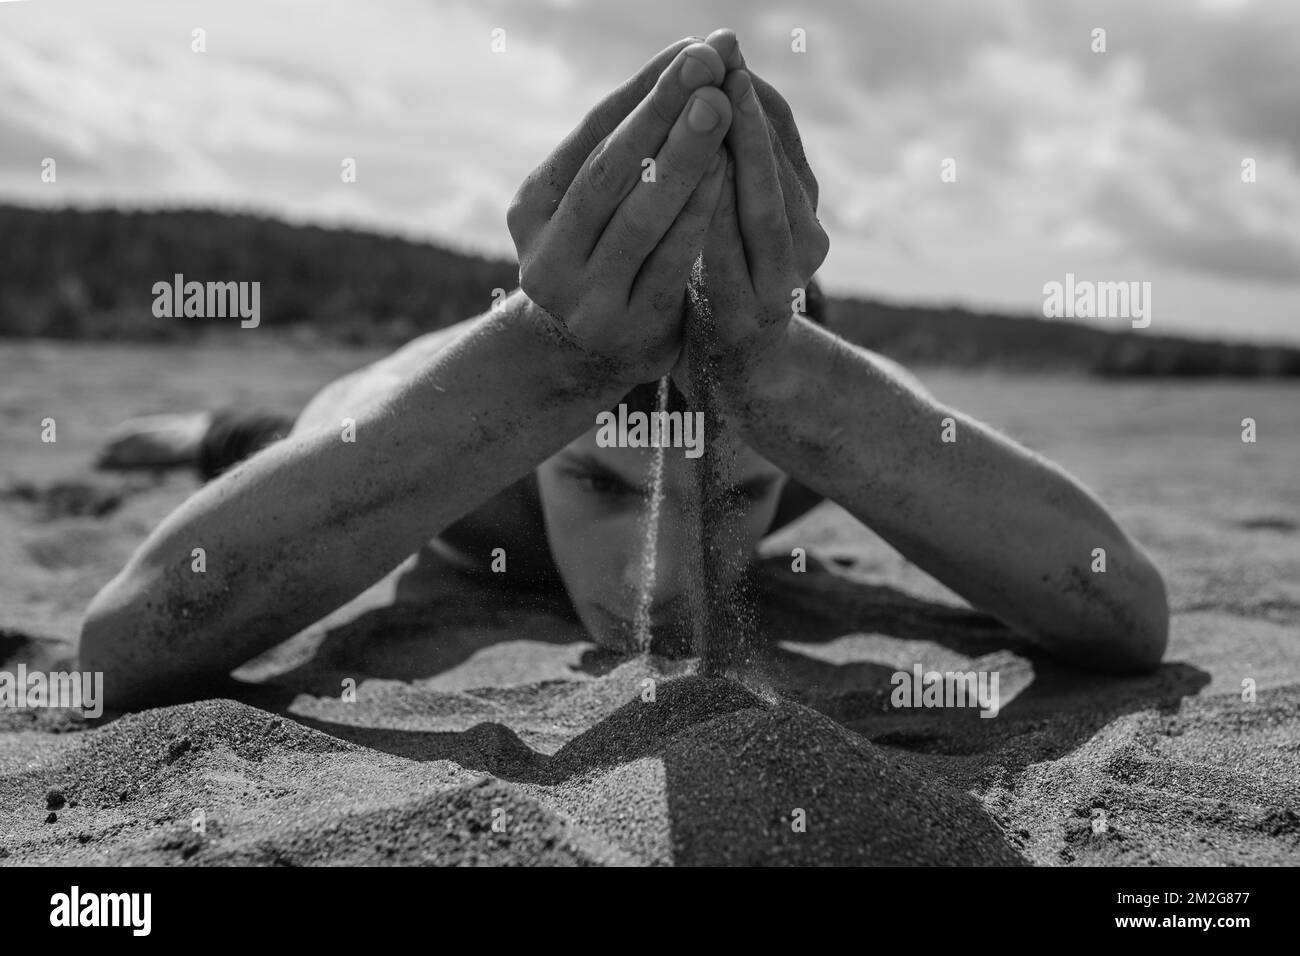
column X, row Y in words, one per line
column 606, row 254
column 765, row 240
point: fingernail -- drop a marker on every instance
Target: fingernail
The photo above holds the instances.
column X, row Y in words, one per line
column 702, row 117
column 695, row 72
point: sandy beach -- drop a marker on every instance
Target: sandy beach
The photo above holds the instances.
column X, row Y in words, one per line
column 488, row 730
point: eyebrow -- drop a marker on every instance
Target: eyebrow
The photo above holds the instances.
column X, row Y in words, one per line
column 752, row 486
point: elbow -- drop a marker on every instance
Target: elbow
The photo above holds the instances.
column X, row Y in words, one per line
column 105, row 644
column 1150, row 637
column 127, row 637
column 1139, row 642
column 1124, row 628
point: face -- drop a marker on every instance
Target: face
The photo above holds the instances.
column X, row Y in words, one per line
column 596, row 501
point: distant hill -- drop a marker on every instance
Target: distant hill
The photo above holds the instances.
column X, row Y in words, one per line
column 80, row 274
column 919, row 335
column 89, row 274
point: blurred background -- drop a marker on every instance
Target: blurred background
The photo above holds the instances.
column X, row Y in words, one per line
column 1123, row 165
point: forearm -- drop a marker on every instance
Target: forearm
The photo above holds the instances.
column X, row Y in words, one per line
column 1010, row 532
column 313, row 520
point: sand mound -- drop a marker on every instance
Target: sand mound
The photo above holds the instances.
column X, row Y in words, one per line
column 746, row 782
column 512, row 740
column 706, row 773
column 643, row 762
column 487, row 823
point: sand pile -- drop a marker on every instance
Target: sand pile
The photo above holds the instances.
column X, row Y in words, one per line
column 707, row 773
column 468, row 706
column 547, row 751
column 488, row 731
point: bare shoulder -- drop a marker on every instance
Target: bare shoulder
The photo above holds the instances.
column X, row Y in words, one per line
column 344, row 396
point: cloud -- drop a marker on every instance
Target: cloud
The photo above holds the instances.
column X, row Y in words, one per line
column 1221, row 66
column 1125, row 160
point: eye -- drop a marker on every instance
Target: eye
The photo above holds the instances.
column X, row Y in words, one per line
column 602, row 485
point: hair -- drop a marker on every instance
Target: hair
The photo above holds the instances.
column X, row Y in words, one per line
column 645, row 397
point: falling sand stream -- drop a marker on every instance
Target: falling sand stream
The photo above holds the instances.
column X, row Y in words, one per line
column 650, row 547
column 722, row 615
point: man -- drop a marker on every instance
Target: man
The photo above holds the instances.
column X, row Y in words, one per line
column 450, row 428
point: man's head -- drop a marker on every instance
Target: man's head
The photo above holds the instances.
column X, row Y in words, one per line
column 596, row 500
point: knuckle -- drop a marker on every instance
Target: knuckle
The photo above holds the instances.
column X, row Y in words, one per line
column 600, row 121
column 603, row 172
column 811, row 252
column 599, row 175
column 516, row 215
column 822, row 244
column 537, row 279
column 528, row 279
column 634, row 232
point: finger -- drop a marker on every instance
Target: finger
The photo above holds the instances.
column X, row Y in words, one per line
column 810, row 240
column 663, row 276
column 727, row 274
column 798, row 186
column 643, row 218
column 543, row 188
column 760, row 202
column 778, row 110
column 811, row 243
column 782, row 122
column 617, row 165
column 724, row 253
column 728, row 47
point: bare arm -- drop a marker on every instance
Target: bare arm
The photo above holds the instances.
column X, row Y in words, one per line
column 1004, row 528
column 354, row 391
column 298, row 530
column 1001, row 526
column 313, row 520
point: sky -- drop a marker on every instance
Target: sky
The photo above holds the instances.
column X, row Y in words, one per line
column 1123, row 165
